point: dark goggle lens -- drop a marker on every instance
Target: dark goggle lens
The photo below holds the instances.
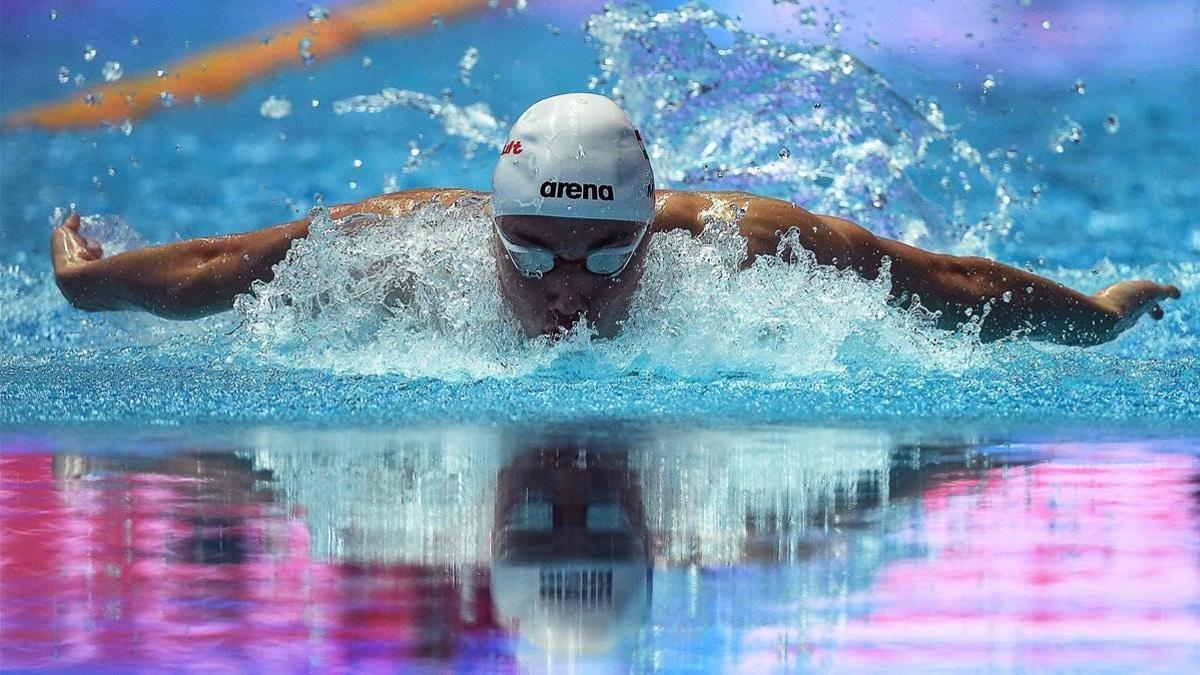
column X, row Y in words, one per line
column 606, row 263
column 532, row 263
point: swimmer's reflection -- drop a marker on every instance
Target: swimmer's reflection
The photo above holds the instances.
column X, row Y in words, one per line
column 570, row 568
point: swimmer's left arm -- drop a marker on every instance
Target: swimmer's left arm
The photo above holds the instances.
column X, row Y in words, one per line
column 956, row 288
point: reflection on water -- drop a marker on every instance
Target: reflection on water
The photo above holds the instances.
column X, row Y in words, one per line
column 748, row 550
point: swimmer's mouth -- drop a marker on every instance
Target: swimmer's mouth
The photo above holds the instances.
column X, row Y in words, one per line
column 560, row 324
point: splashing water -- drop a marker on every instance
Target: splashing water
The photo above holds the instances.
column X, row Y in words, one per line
column 717, row 116
column 419, row 296
column 473, row 122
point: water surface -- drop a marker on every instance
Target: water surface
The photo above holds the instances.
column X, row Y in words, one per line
column 762, row 549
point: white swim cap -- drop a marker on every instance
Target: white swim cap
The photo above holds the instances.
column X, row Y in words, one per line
column 574, row 156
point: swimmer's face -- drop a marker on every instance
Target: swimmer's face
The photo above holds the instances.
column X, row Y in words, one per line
column 556, row 300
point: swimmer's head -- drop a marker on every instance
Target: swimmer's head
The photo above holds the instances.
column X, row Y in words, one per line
column 573, row 200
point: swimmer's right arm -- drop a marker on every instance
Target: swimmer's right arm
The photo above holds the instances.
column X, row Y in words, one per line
column 196, row 277
column 180, row 280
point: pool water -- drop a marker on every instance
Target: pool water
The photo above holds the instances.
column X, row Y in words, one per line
column 769, row 470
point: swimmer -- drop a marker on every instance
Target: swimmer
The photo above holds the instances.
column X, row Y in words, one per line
column 573, row 207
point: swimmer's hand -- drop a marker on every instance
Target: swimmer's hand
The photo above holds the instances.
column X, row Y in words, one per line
column 74, row 257
column 179, row 280
column 1127, row 301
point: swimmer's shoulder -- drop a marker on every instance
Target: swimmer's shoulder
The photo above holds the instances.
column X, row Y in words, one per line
column 685, row 210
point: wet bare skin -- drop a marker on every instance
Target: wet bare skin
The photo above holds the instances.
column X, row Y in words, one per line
column 192, row 278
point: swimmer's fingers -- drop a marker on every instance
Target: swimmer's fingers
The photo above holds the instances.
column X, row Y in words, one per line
column 69, row 246
column 1129, row 300
column 74, row 259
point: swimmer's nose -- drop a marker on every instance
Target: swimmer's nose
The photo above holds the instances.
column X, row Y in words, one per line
column 567, row 304
column 566, row 296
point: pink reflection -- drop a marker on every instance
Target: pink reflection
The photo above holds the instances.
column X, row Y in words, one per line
column 1039, row 567
column 203, row 573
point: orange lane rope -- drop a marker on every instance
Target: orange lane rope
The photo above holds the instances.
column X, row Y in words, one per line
column 222, row 71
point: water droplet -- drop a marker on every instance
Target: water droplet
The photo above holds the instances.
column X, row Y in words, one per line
column 878, row 200
column 89, row 52
column 989, row 83
column 305, row 51
column 126, row 127
column 353, row 185
column 317, row 14
column 160, row 73
column 197, row 100
column 1006, row 296
column 366, row 62
column 54, row 15
column 1068, row 131
column 1046, row 24
column 554, row 30
column 135, row 41
column 521, row 5
column 90, row 99
column 111, row 71
column 436, row 21
column 1112, row 124
column 167, row 98
column 1080, row 88
column 79, row 79
column 112, row 170
column 784, row 153
column 357, row 163
column 64, row 74
column 467, row 63
column 316, row 102
column 275, row 108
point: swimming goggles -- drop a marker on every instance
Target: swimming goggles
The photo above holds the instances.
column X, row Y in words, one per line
column 534, row 261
